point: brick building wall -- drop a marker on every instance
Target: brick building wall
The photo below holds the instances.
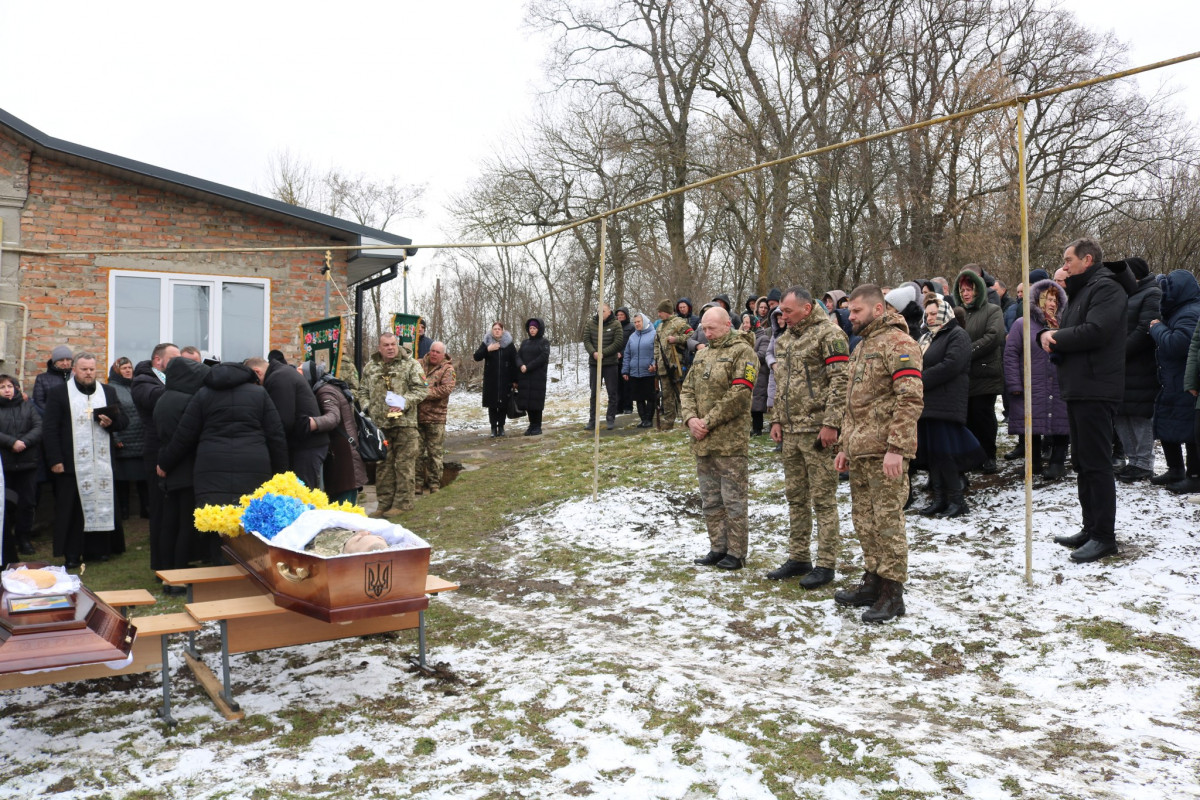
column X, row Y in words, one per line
column 70, row 207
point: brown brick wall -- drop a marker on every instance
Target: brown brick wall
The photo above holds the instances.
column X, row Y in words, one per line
column 74, row 208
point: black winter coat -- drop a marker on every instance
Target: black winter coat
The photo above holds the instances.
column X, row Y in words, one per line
column 1089, row 346
column 19, row 421
column 56, row 424
column 297, row 404
column 133, row 438
column 534, row 355
column 499, row 370
column 985, row 327
column 186, row 378
column 45, row 382
column 146, row 389
column 234, row 430
column 945, row 373
column 1141, row 373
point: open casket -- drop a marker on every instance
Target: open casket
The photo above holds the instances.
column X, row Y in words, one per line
column 88, row 631
column 340, row 588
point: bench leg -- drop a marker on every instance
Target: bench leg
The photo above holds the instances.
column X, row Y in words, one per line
column 227, row 694
column 421, row 638
column 191, row 639
column 165, row 711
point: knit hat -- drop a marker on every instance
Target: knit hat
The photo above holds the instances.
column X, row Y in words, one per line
column 61, row 352
column 775, row 295
column 1036, row 275
column 665, row 307
column 1138, row 267
column 901, row 297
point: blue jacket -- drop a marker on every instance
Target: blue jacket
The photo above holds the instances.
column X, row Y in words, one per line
column 1174, row 408
column 639, row 351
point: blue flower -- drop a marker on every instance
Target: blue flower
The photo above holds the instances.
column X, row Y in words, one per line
column 271, row 513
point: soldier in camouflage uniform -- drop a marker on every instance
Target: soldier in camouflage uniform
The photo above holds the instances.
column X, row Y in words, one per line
column 670, row 345
column 431, row 417
column 715, row 402
column 810, row 400
column 393, row 369
column 884, row 400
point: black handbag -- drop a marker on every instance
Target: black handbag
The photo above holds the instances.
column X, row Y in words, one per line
column 514, row 410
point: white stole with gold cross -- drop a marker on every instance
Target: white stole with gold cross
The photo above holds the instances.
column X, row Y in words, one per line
column 93, row 464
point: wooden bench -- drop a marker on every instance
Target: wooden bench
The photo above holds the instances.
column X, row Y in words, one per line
column 149, row 651
column 250, row 621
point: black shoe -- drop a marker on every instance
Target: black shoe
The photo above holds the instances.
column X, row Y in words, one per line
column 646, row 423
column 790, row 569
column 1134, row 474
column 936, row 506
column 865, row 594
column 889, row 604
column 818, row 577
column 610, row 423
column 1119, row 464
column 591, row 425
column 1170, row 476
column 25, row 547
column 534, row 431
column 1078, row 540
column 1185, row 486
column 1094, row 550
column 1055, row 471
column 707, row 561
column 955, row 507
column 730, row 563
column 1016, row 454
column 987, row 468
column 69, row 564
column 499, row 431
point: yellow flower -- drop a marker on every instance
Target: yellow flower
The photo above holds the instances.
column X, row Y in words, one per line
column 225, row 520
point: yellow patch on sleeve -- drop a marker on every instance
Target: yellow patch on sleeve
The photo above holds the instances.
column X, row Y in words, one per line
column 751, row 372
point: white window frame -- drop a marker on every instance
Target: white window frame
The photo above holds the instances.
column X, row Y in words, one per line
column 166, row 280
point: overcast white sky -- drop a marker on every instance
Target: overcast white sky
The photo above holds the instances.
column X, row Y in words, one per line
column 416, row 89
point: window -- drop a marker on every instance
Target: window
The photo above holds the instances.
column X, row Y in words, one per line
column 223, row 317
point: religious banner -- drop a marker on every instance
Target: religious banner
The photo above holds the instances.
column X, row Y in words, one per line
column 405, row 326
column 323, row 342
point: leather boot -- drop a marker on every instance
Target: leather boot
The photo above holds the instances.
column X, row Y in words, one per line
column 1172, row 475
column 790, row 569
column 1078, row 540
column 591, row 424
column 865, row 594
column 707, row 561
column 818, row 577
column 1094, row 550
column 610, row 423
column 890, row 603
column 493, row 430
column 936, row 506
column 956, row 506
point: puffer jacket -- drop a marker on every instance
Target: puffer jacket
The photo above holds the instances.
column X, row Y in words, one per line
column 20, row 421
column 946, row 363
column 534, row 355
column 1049, row 407
column 1174, row 408
column 1141, row 369
column 186, row 378
column 234, row 430
column 47, row 380
column 985, row 326
column 1089, row 347
column 130, row 442
column 614, row 340
column 639, row 351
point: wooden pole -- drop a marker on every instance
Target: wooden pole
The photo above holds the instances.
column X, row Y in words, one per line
column 599, row 366
column 1026, row 350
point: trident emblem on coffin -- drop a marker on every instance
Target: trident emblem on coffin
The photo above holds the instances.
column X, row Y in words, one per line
column 378, row 578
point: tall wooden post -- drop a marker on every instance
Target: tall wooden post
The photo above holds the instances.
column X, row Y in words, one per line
column 599, row 366
column 1026, row 351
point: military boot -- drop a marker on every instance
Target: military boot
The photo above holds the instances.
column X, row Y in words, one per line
column 937, row 503
column 956, row 506
column 790, row 569
column 890, row 603
column 866, row 593
column 707, row 561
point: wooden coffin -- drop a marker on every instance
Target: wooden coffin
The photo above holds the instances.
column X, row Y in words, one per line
column 92, row 632
column 336, row 589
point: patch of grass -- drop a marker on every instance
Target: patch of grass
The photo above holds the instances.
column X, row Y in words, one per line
column 1124, row 639
column 424, row 746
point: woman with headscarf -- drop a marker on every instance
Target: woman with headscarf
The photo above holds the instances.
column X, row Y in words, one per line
column 1048, row 301
column 637, row 369
column 944, row 445
column 499, row 358
column 533, row 361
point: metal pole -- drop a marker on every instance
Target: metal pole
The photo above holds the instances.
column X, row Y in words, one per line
column 406, row 286
column 1026, row 354
column 328, row 272
column 599, row 366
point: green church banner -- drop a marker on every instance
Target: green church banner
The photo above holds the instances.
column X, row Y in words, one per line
column 405, row 326
column 323, row 342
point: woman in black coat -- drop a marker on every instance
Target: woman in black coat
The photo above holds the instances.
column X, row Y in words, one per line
column 20, row 443
column 235, row 431
column 944, row 445
column 499, row 358
column 533, row 361
column 178, row 538
column 1135, row 415
column 129, row 468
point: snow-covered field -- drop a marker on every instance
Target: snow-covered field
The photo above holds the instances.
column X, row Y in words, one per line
column 586, row 656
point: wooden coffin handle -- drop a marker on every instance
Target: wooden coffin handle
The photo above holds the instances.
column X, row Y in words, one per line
column 300, row 574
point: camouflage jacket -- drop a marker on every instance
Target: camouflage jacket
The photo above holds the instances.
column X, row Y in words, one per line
column 441, row 382
column 669, row 358
column 402, row 375
column 810, row 375
column 885, row 395
column 719, row 388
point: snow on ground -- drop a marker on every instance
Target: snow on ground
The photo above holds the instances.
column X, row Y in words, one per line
column 592, row 659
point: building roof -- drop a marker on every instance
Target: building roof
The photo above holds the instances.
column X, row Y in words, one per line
column 363, row 264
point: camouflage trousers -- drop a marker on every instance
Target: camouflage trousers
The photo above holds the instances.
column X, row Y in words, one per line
column 394, row 477
column 670, row 405
column 429, row 460
column 878, row 513
column 724, row 485
column 810, row 484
